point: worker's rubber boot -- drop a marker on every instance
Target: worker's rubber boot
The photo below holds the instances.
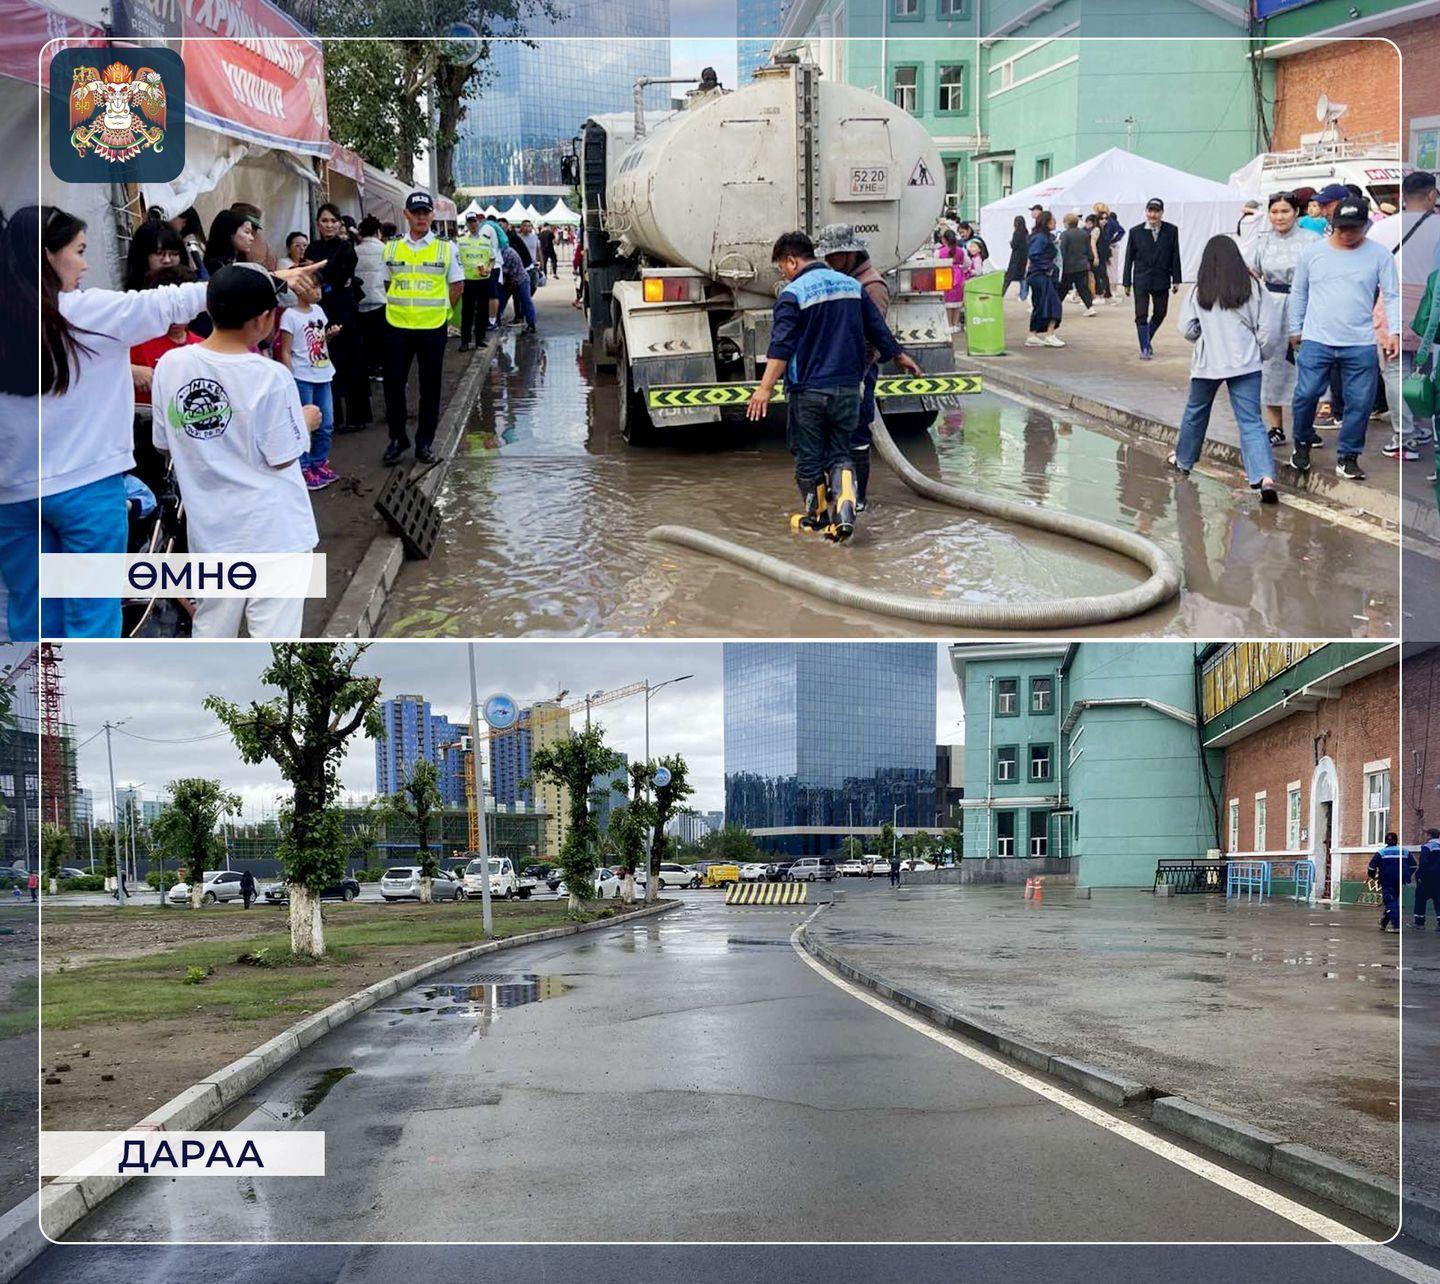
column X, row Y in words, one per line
column 1142, row 330
column 862, row 477
column 842, row 488
column 816, row 514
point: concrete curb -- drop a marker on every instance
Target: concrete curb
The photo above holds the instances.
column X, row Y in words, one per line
column 1375, row 1197
column 1420, row 1216
column 358, row 611
column 1320, row 486
column 65, row 1201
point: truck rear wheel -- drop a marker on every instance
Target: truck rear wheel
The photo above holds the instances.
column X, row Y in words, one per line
column 636, row 426
column 910, row 423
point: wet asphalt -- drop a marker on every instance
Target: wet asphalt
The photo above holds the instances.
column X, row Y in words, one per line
column 546, row 511
column 681, row 1078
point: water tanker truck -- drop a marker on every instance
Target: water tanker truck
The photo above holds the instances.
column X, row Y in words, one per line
column 680, row 212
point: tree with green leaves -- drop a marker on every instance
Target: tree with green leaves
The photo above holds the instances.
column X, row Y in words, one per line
column 105, row 844
column 365, row 824
column 732, row 844
column 574, row 764
column 415, row 804
column 667, row 800
column 629, row 828
column 185, row 828
column 55, row 848
column 953, row 842
column 304, row 730
column 888, row 842
column 852, row 849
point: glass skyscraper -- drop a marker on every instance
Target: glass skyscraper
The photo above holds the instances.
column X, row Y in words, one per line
column 824, row 738
column 534, row 99
column 757, row 23
column 413, row 732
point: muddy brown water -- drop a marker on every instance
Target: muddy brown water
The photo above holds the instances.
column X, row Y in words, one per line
column 546, row 512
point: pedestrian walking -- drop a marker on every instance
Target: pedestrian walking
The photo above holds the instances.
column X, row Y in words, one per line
column 1077, row 261
column 1100, row 253
column 1111, row 233
column 477, row 258
column 424, row 278
column 1152, row 272
column 1332, row 302
column 304, row 345
column 1392, row 867
column 531, row 240
column 1272, row 257
column 1427, row 879
column 895, row 869
column 1234, row 325
column 517, row 287
column 333, row 248
column 820, row 328
column 548, row 262
column 491, row 230
column 370, row 273
column 1015, row 268
column 849, row 254
column 1042, row 272
column 33, row 883
column 247, row 887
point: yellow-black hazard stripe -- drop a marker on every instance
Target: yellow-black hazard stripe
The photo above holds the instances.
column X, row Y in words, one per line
column 702, row 396
column 767, row 894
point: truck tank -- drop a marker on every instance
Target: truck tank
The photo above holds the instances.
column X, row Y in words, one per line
column 711, row 187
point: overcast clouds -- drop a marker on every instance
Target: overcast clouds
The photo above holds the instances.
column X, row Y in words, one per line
column 157, row 687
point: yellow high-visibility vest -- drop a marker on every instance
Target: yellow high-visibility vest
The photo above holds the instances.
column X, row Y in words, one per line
column 475, row 257
column 418, row 296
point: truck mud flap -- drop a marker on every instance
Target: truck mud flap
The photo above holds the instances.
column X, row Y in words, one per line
column 652, row 372
column 899, row 392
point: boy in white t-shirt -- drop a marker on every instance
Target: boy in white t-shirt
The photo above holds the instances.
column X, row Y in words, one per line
column 233, row 424
column 305, row 332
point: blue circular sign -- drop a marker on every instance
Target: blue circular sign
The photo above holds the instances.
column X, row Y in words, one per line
column 501, row 712
column 662, row 777
column 461, row 43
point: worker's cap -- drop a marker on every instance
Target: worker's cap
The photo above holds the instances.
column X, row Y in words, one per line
column 238, row 293
column 1353, row 211
column 1154, row 203
column 1418, row 181
column 420, row 203
column 472, row 217
column 1332, row 192
column 838, row 238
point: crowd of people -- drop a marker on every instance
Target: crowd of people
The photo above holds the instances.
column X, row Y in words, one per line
column 244, row 356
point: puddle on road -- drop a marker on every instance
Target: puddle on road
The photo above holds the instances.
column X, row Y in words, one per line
column 320, row 1089
column 546, row 511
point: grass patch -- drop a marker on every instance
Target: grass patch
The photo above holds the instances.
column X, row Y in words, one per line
column 18, row 1014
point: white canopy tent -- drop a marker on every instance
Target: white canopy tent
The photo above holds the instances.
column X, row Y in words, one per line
column 561, row 213
column 1199, row 207
column 516, row 212
column 472, row 208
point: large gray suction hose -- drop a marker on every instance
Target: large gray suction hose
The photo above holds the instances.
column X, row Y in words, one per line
column 1162, row 585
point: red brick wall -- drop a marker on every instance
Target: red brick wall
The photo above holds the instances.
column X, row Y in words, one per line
column 1421, row 744
column 1360, row 726
column 1363, row 74
column 1419, row 45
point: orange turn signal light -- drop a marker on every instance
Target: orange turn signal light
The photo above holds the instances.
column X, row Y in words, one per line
column 654, row 288
column 944, row 278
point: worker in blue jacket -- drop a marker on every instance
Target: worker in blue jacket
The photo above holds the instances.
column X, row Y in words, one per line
column 820, row 329
column 1427, row 878
column 1393, row 866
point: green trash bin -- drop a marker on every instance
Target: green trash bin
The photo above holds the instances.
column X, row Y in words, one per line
column 985, row 315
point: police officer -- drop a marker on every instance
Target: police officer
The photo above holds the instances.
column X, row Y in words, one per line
column 477, row 258
column 1427, row 878
column 423, row 279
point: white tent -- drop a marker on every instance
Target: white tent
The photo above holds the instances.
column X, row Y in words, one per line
column 472, row 208
column 516, row 212
column 491, row 211
column 1200, row 207
column 562, row 213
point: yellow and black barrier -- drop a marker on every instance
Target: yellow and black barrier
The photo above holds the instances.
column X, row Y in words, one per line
column 767, row 893
column 704, row 395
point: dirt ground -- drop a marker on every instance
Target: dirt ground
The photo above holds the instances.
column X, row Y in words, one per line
column 19, row 1047
column 118, row 1072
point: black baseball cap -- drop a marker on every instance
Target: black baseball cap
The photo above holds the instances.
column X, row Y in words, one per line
column 237, row 293
column 1354, row 211
column 419, row 203
column 1154, row 203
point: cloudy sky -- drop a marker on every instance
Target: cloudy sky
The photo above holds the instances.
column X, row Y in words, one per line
column 157, row 689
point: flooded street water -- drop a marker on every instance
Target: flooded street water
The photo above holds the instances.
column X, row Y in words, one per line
column 546, row 511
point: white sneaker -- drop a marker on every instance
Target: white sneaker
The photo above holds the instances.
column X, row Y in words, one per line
column 1090, row 312
column 1053, row 341
column 1035, row 341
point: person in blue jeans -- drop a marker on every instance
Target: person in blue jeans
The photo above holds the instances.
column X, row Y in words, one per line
column 1332, row 300
column 1392, row 866
column 1235, row 326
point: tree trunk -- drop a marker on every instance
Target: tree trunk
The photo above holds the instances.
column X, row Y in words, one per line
column 652, row 881
column 54, row 886
column 572, row 906
column 426, row 890
column 627, row 888
column 197, row 891
column 307, row 929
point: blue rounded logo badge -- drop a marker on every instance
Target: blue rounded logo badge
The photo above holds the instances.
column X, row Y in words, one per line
column 501, row 712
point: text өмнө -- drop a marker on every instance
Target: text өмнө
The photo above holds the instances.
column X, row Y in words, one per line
column 191, row 577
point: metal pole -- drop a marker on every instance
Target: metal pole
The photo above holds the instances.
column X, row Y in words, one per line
column 115, row 816
column 478, row 773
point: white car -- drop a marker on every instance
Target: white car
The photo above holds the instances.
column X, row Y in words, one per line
column 219, row 885
column 752, row 873
column 915, row 866
column 504, row 881
column 855, row 865
column 673, row 875
column 402, row 882
column 876, row 865
column 607, row 885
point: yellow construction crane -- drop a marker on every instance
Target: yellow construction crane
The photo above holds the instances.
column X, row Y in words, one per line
column 552, row 712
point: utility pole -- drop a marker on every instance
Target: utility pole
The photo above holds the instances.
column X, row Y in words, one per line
column 115, row 814
column 479, row 780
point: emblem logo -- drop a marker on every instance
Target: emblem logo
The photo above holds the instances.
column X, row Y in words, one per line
column 200, row 410
column 123, row 120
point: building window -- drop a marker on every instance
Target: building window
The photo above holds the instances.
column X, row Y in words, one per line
column 1040, row 695
column 951, row 85
column 1377, row 806
column 1234, row 827
column 32, row 784
column 1007, row 697
column 7, row 786
column 1292, row 817
column 1004, row 833
column 906, row 88
column 1007, row 758
column 906, row 9
column 954, row 182
column 1043, row 167
column 1040, row 834
column 1039, row 762
column 1261, row 816
column 953, row 8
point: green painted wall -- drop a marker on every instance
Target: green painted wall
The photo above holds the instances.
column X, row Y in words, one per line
column 1322, row 15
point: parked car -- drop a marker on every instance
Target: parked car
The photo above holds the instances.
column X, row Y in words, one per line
column 915, row 865
column 70, row 871
column 853, row 866
column 673, row 874
column 876, row 865
column 810, row 868
column 402, row 883
column 347, row 889
column 753, row 873
column 777, row 871
column 219, row 885
column 504, row 881
column 540, row 873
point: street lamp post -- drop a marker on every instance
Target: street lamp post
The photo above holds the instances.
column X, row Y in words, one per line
column 895, row 838
column 482, row 829
column 115, row 814
column 651, row 888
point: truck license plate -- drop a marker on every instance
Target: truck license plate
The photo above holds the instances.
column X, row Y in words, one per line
column 869, row 180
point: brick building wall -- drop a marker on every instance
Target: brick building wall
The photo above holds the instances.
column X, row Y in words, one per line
column 1420, row 744
column 1419, row 45
column 1361, row 725
column 1362, row 74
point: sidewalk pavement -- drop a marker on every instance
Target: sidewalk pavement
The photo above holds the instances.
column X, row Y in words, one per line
column 1099, row 372
column 1282, row 1016
column 1421, row 1114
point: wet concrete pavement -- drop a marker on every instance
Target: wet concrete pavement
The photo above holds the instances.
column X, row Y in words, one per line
column 546, row 512
column 1421, row 1066
column 1284, row 1016
column 683, row 1078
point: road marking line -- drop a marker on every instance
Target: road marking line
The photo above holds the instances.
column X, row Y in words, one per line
column 1387, row 1259
column 1306, row 1218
